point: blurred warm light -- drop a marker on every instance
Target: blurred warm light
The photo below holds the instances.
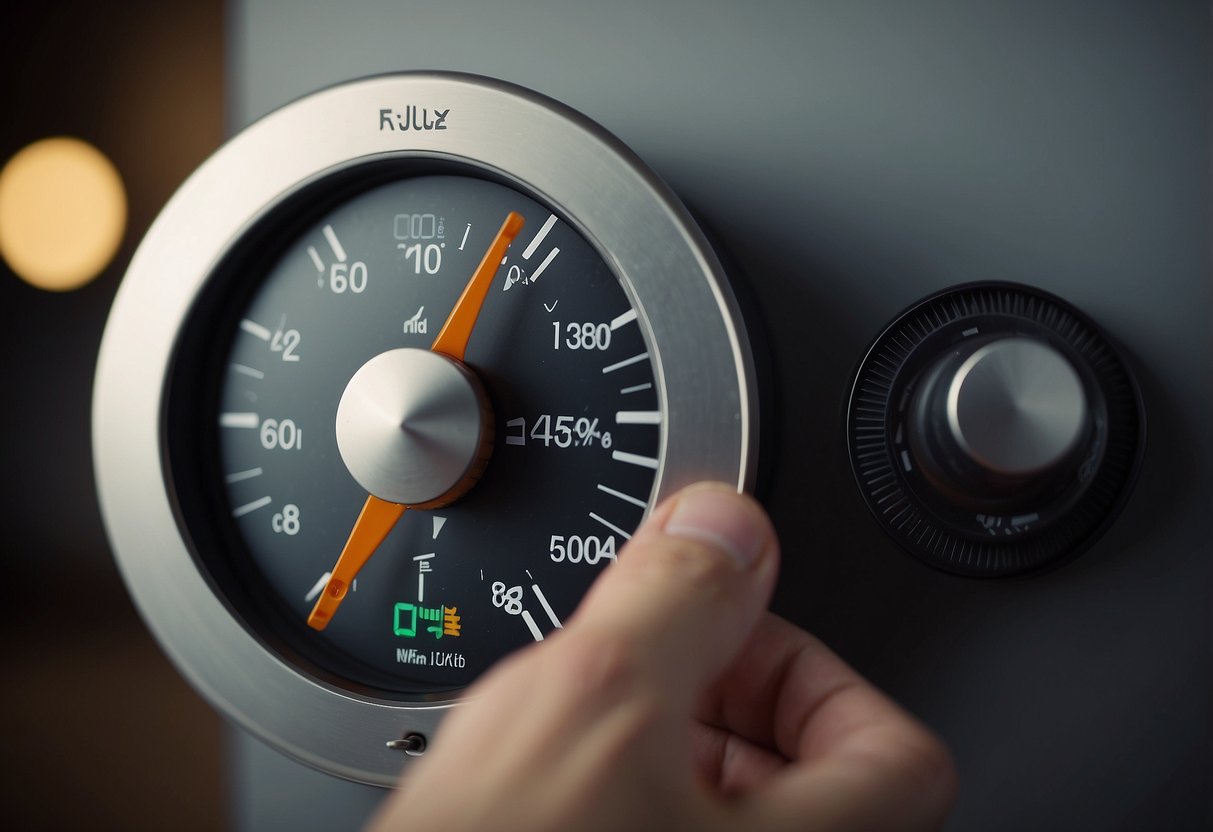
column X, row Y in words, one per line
column 62, row 213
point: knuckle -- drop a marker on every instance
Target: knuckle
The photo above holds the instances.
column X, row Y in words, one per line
column 943, row 773
column 920, row 765
column 690, row 565
column 928, row 764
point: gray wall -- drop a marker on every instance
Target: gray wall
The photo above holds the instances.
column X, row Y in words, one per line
column 853, row 157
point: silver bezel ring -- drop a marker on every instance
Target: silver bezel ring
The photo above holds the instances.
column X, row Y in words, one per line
column 703, row 368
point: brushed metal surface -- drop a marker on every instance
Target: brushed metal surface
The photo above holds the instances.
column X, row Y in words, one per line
column 410, row 426
column 1016, row 407
column 703, row 370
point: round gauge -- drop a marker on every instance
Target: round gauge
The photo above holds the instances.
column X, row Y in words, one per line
column 392, row 379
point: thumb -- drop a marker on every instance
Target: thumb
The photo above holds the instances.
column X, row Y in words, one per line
column 687, row 590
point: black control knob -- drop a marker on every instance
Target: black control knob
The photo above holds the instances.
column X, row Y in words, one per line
column 993, row 429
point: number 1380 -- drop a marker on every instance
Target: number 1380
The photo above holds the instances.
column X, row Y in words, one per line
column 581, row 336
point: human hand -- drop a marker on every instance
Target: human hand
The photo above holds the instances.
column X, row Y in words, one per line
column 671, row 700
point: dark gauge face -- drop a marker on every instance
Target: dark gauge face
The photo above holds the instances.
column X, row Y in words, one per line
column 558, row 352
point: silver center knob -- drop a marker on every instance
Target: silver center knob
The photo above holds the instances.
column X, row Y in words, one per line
column 414, row 427
column 1016, row 407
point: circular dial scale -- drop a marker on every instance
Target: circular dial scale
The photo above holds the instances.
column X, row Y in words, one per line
column 575, row 424
column 391, row 380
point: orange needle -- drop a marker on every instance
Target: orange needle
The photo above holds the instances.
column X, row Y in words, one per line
column 378, row 517
column 453, row 338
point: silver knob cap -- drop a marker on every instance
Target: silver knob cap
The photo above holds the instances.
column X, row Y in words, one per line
column 413, row 427
column 1016, row 407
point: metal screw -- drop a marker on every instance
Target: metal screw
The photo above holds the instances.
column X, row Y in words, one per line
column 412, row 744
